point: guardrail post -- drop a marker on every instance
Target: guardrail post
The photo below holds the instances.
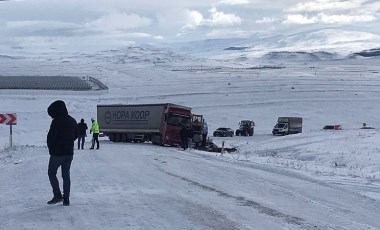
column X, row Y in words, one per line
column 10, row 136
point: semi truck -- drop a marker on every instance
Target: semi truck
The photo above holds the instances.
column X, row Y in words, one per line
column 288, row 125
column 158, row 123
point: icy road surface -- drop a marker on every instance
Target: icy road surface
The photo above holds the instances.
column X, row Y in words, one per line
column 142, row 186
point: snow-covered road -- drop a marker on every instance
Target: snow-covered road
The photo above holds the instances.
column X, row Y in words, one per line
column 142, row 186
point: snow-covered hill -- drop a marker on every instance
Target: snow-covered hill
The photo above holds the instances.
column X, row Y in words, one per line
column 336, row 43
column 315, row 180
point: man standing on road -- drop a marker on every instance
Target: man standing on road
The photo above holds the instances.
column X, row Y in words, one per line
column 183, row 135
column 60, row 141
column 95, row 136
column 82, row 127
column 204, row 132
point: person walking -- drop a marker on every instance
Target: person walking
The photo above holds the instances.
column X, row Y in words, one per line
column 95, row 133
column 60, row 141
column 82, row 127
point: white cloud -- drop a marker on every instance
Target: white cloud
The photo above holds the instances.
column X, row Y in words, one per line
column 136, row 35
column 194, row 18
column 216, row 19
column 219, row 18
column 228, row 33
column 299, row 19
column 329, row 19
column 345, row 19
column 158, row 37
column 266, row 20
column 119, row 21
column 323, row 5
column 233, row 2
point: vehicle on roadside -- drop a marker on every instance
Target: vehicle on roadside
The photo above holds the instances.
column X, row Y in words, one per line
column 223, row 132
column 332, row 127
column 288, row 125
column 246, row 127
column 158, row 123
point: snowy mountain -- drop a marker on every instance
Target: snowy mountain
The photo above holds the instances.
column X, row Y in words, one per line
column 334, row 43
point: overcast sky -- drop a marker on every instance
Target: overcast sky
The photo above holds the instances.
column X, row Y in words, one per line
column 60, row 24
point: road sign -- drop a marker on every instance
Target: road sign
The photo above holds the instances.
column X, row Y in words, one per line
column 8, row 118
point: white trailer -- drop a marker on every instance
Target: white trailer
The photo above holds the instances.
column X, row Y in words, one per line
column 158, row 123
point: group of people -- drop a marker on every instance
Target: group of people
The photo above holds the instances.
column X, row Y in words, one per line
column 82, row 133
column 187, row 136
column 63, row 132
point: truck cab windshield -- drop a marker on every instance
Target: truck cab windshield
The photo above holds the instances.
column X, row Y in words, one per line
column 280, row 126
column 178, row 120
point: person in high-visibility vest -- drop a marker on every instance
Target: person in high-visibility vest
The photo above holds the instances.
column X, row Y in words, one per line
column 95, row 133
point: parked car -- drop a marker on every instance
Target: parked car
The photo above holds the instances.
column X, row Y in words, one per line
column 332, row 127
column 223, row 132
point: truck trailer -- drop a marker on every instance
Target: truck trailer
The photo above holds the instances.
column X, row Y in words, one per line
column 158, row 123
column 288, row 125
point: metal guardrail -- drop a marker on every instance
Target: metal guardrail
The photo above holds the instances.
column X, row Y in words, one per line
column 51, row 83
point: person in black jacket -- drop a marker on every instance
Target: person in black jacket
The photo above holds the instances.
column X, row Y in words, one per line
column 82, row 127
column 183, row 135
column 60, row 141
column 190, row 135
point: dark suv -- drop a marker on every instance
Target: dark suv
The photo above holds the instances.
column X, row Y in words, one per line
column 223, row 132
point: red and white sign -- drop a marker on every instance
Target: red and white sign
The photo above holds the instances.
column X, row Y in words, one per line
column 8, row 118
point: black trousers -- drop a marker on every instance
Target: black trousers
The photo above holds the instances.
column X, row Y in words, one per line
column 65, row 163
column 184, row 143
column 204, row 137
column 83, row 139
column 95, row 138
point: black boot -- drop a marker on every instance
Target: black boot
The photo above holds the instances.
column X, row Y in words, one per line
column 55, row 200
column 66, row 201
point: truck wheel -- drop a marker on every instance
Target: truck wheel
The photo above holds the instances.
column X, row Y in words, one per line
column 111, row 137
column 237, row 133
column 124, row 137
column 117, row 137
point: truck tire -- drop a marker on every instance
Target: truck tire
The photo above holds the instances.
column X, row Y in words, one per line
column 117, row 137
column 124, row 137
column 237, row 133
column 112, row 137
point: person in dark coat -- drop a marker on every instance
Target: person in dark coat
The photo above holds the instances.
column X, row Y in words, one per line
column 183, row 135
column 204, row 132
column 190, row 135
column 60, row 141
column 82, row 127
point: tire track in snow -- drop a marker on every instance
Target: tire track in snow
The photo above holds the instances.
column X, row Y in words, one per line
column 289, row 219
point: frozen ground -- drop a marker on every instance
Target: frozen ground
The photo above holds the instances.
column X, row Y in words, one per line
column 314, row 180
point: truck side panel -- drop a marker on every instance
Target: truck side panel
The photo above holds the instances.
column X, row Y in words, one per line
column 130, row 118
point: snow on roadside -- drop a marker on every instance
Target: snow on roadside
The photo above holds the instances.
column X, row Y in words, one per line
column 352, row 153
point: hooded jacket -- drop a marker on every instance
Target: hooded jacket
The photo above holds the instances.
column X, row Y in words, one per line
column 63, row 130
column 82, row 127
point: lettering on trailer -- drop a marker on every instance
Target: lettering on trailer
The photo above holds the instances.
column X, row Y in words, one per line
column 126, row 115
column 8, row 118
